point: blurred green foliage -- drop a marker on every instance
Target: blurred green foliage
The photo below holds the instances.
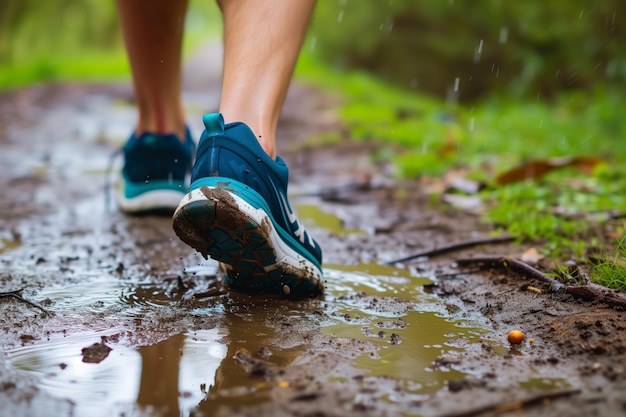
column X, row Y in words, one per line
column 39, row 40
column 43, row 28
column 463, row 50
column 75, row 39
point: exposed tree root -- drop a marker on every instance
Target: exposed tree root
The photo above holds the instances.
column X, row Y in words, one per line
column 589, row 291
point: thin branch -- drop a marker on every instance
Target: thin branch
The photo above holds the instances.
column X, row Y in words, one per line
column 17, row 294
column 513, row 264
column 455, row 247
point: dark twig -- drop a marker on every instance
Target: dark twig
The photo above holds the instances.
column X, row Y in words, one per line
column 454, row 247
column 515, row 265
column 515, row 405
column 17, row 294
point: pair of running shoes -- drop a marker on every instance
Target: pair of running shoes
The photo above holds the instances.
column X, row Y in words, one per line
column 235, row 210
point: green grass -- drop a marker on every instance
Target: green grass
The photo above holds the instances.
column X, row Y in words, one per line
column 94, row 66
column 566, row 213
column 611, row 270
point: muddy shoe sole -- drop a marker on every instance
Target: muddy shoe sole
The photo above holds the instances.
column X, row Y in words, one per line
column 219, row 223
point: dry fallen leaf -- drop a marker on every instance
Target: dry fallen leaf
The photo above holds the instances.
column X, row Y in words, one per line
column 531, row 256
column 538, row 168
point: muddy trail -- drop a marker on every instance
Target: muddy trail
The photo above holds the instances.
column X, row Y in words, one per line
column 104, row 314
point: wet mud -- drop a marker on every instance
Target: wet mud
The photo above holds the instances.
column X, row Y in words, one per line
column 134, row 322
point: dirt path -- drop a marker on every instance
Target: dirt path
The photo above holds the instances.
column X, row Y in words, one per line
column 140, row 325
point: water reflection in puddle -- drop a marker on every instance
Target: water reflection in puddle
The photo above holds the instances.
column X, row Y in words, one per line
column 168, row 377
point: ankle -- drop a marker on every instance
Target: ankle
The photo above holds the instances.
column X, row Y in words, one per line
column 181, row 133
column 167, row 123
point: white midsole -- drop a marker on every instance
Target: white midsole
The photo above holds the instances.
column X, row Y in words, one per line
column 149, row 200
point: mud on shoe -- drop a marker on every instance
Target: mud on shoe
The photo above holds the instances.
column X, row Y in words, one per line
column 237, row 212
column 155, row 172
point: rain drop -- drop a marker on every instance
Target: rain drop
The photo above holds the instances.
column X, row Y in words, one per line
column 456, row 84
column 340, row 17
column 470, row 124
column 478, row 52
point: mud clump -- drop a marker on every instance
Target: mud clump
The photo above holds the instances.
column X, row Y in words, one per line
column 95, row 353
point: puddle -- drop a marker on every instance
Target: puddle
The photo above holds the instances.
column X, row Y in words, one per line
column 7, row 245
column 546, row 384
column 411, row 333
column 313, row 216
column 196, row 369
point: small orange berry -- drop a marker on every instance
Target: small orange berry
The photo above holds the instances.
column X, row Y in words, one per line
column 515, row 337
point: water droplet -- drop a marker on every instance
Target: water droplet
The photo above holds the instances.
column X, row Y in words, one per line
column 456, row 83
column 478, row 52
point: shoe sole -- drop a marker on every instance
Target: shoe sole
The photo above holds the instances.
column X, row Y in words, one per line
column 219, row 224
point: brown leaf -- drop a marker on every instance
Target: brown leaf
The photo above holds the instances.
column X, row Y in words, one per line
column 540, row 167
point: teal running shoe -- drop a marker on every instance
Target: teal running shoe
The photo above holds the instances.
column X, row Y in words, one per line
column 237, row 212
column 155, row 172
